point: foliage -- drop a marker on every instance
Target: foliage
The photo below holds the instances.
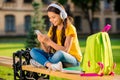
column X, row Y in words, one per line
column 37, row 22
column 62, row 1
column 31, row 39
column 88, row 7
column 87, row 4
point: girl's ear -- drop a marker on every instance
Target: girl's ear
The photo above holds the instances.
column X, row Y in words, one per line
column 63, row 15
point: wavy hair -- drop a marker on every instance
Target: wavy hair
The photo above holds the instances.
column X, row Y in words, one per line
column 54, row 28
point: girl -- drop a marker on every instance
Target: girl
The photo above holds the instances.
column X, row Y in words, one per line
column 60, row 44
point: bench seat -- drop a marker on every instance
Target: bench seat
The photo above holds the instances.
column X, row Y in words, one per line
column 67, row 75
column 6, row 61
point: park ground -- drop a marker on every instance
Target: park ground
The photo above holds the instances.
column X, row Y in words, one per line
column 10, row 45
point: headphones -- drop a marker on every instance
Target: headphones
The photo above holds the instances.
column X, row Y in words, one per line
column 63, row 13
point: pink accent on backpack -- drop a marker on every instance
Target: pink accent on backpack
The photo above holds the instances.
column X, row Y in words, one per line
column 106, row 28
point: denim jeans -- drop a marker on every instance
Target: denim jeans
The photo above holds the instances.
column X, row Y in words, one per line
column 42, row 57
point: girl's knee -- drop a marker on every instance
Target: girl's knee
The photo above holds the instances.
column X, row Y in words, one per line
column 32, row 51
column 60, row 52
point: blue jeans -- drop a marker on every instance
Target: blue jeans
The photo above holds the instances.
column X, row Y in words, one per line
column 42, row 57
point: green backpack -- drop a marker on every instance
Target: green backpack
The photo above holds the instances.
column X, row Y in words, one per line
column 98, row 56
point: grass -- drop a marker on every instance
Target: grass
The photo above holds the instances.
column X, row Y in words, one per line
column 8, row 46
column 6, row 49
column 6, row 73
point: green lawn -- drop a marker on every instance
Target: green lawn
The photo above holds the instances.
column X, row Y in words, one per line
column 7, row 47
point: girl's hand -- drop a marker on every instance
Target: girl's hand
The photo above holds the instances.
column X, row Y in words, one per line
column 43, row 38
column 40, row 37
column 46, row 39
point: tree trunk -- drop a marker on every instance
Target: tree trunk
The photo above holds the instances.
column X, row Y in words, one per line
column 90, row 20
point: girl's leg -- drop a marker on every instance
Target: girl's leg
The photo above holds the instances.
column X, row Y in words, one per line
column 39, row 55
column 42, row 57
column 64, row 57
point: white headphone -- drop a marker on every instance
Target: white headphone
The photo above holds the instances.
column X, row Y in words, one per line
column 63, row 13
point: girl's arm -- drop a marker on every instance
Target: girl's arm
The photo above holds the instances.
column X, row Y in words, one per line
column 45, row 47
column 66, row 46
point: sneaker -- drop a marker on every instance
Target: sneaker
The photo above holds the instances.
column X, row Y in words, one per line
column 35, row 63
column 58, row 66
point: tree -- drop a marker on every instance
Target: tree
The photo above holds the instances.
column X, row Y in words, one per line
column 117, row 6
column 37, row 22
column 88, row 7
column 62, row 1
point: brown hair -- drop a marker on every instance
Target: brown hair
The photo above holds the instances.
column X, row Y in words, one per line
column 54, row 28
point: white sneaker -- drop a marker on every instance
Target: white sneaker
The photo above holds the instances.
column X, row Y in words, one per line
column 58, row 66
column 35, row 63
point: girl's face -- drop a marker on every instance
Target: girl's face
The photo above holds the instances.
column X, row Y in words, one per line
column 54, row 18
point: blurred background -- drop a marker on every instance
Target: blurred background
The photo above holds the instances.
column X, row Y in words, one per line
column 19, row 19
column 89, row 16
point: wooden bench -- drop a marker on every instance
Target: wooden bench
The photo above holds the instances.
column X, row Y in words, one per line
column 66, row 75
column 8, row 62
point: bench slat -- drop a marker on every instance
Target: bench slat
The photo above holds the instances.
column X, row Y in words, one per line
column 6, row 61
column 5, row 57
column 66, row 75
column 6, row 64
